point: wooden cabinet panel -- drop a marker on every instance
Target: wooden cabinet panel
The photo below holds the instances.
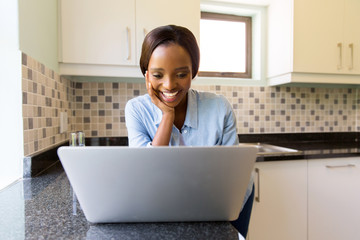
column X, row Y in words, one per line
column 98, row 32
column 280, row 212
column 334, row 196
column 318, row 27
column 152, row 14
column 318, row 42
column 104, row 38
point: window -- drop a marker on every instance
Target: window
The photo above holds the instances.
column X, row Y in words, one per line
column 225, row 46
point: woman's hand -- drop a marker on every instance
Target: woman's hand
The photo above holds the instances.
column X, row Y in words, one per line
column 155, row 98
column 163, row 133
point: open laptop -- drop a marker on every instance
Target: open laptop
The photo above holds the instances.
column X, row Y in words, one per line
column 159, row 184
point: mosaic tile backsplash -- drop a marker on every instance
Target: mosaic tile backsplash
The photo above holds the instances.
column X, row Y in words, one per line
column 97, row 108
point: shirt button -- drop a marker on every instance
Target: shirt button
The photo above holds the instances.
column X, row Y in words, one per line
column 185, row 131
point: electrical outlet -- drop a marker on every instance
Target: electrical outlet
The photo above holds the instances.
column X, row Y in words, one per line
column 63, row 122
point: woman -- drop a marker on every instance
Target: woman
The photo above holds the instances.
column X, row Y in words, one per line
column 172, row 114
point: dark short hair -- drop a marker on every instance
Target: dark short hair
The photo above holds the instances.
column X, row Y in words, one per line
column 167, row 35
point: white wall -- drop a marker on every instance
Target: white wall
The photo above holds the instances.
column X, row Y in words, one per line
column 38, row 31
column 11, row 125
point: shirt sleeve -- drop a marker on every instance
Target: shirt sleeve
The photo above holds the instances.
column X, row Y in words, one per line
column 137, row 132
column 230, row 136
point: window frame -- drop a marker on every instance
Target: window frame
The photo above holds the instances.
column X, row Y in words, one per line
column 248, row 47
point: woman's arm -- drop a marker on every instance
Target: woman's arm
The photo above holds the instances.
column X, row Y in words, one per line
column 138, row 134
column 163, row 133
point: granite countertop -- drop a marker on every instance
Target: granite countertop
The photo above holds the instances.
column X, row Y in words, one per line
column 309, row 145
column 42, row 207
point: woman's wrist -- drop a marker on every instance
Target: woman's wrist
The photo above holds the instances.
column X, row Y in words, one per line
column 169, row 116
column 163, row 133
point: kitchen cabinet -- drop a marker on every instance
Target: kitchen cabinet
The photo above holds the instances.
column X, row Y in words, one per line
column 334, row 197
column 151, row 14
column 314, row 41
column 98, row 32
column 280, row 205
column 104, row 38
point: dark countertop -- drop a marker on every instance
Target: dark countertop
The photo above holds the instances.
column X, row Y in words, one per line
column 43, row 208
column 315, row 150
column 310, row 145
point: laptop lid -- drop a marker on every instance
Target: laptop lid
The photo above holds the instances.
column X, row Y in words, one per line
column 159, row 184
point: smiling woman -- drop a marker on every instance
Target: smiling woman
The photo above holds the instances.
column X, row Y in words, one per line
column 173, row 114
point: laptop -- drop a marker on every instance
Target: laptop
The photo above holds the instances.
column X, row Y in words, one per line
column 159, row 184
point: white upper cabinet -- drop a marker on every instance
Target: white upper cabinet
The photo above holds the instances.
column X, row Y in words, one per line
column 104, row 38
column 152, row 14
column 314, row 41
column 98, row 32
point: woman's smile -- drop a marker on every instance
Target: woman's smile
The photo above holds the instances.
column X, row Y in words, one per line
column 170, row 74
column 169, row 96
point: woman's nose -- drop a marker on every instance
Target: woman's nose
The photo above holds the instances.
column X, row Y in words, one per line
column 169, row 83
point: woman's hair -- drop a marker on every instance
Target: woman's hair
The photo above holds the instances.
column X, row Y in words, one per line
column 170, row 34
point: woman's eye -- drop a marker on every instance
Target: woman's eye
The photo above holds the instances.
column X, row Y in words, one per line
column 182, row 75
column 157, row 76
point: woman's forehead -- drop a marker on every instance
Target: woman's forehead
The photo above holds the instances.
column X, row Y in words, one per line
column 173, row 54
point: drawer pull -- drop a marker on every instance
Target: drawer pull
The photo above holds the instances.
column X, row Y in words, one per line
column 128, row 40
column 351, row 46
column 339, row 66
column 341, row 166
column 145, row 32
column 257, row 198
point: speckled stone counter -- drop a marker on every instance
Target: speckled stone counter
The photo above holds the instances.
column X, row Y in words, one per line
column 310, row 145
column 43, row 208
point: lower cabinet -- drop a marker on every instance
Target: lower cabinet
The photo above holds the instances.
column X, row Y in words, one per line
column 334, row 199
column 280, row 204
column 316, row 199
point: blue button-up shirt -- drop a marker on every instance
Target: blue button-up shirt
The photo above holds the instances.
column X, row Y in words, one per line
column 209, row 121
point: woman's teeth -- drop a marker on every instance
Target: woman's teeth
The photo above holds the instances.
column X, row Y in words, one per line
column 170, row 95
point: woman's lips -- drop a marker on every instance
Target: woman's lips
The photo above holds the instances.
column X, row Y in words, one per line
column 169, row 96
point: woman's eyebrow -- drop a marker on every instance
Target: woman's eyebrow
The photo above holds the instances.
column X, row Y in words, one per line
column 176, row 69
column 156, row 69
column 182, row 68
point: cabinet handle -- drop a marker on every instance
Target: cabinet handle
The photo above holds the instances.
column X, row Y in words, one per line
column 257, row 198
column 351, row 46
column 339, row 66
column 128, row 39
column 341, row 166
column 145, row 32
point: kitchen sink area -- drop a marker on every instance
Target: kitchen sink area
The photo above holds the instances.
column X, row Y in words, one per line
column 272, row 150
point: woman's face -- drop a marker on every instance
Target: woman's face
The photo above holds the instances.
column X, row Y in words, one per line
column 169, row 72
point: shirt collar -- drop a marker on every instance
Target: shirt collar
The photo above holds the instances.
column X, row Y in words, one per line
column 191, row 119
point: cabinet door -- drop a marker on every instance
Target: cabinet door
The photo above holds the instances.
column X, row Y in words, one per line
column 280, row 204
column 152, row 14
column 334, row 197
column 352, row 37
column 318, row 36
column 97, row 32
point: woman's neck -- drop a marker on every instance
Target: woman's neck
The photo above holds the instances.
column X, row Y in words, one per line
column 180, row 113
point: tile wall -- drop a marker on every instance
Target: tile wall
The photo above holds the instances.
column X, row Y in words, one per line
column 45, row 95
column 97, row 108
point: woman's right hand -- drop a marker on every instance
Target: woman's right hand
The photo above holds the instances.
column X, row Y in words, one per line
column 155, row 99
column 163, row 133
